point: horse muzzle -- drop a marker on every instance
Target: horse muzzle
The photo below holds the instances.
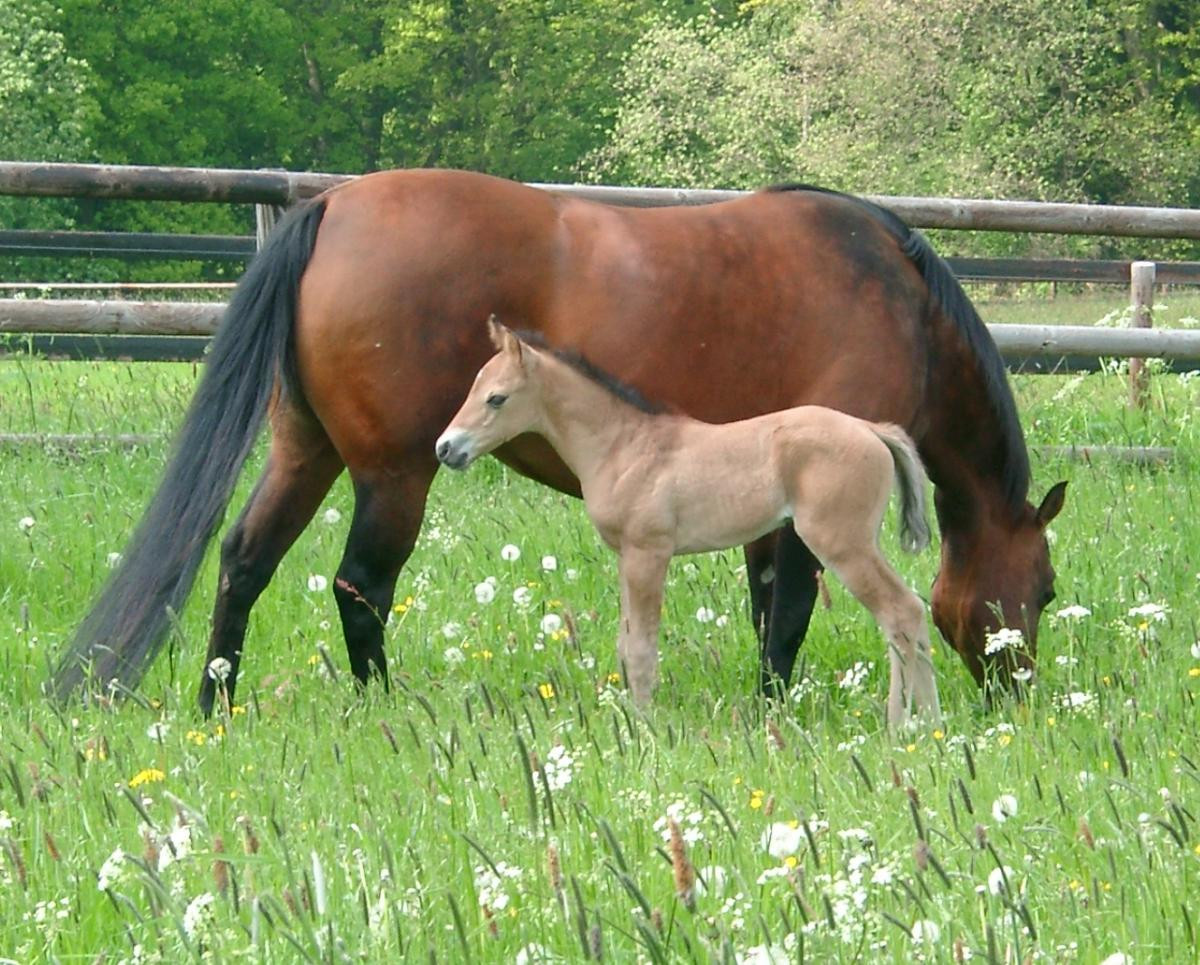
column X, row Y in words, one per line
column 453, row 449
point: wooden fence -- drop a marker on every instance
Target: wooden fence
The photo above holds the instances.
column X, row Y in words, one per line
column 70, row 327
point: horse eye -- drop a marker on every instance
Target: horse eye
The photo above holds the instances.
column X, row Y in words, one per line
column 495, row 400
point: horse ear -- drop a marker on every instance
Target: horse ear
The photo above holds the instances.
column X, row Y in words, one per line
column 503, row 338
column 496, row 333
column 1052, row 505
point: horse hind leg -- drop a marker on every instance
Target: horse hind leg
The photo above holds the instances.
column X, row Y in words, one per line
column 388, row 510
column 301, row 466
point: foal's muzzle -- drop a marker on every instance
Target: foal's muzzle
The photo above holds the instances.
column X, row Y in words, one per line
column 453, row 449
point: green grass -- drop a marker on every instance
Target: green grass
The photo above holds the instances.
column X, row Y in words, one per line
column 329, row 826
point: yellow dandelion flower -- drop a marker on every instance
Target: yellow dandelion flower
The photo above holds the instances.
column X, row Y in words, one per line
column 615, row 678
column 197, row 737
column 793, row 824
column 484, row 655
column 756, row 799
column 1004, row 740
column 791, row 861
column 149, row 775
column 546, row 690
column 219, row 731
column 938, row 734
column 234, row 794
column 910, row 748
column 1197, row 850
column 400, row 608
column 1107, row 680
column 1051, row 720
column 737, row 781
column 1194, row 672
column 314, row 659
column 237, row 709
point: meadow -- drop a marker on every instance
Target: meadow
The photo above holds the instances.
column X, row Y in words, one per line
column 505, row 803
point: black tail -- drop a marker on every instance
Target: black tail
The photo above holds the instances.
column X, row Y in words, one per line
column 128, row 623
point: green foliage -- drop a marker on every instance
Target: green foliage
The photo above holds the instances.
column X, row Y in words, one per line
column 1019, row 99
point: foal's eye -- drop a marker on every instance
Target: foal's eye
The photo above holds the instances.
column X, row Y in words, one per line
column 495, row 400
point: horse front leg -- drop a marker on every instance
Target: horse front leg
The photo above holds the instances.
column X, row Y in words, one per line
column 642, row 572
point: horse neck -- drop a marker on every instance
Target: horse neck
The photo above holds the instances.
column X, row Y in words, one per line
column 583, row 421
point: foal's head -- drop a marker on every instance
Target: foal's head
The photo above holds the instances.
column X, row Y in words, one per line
column 502, row 403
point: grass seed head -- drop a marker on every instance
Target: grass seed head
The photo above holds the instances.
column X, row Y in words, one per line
column 220, row 867
column 681, row 865
column 1085, row 834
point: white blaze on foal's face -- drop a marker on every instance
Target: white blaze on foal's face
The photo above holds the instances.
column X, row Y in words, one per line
column 497, row 408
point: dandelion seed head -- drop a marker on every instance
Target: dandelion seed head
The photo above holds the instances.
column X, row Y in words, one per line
column 331, row 516
column 26, row 523
column 317, row 583
column 484, row 593
column 1004, row 807
column 510, row 552
column 549, row 563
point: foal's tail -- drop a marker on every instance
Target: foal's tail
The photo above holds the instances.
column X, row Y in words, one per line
column 252, row 352
column 910, row 475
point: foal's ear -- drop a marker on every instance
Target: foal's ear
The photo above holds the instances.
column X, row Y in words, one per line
column 1052, row 505
column 502, row 337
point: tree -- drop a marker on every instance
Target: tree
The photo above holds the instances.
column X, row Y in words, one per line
column 1000, row 98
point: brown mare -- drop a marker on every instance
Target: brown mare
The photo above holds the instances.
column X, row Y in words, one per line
column 659, row 484
column 357, row 330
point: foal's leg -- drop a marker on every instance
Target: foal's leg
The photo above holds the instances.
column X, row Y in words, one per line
column 388, row 509
column 642, row 572
column 782, row 573
column 301, row 467
column 846, row 542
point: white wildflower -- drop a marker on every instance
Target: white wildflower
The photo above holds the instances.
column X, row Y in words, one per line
column 711, row 880
column 198, row 915
column 317, row 583
column 705, row 615
column 26, row 523
column 998, row 880
column 113, row 560
column 219, row 669
column 1004, row 807
column 1063, row 660
column 1152, row 612
column 1005, row 638
column 782, row 839
column 454, row 656
column 1076, row 700
column 510, row 552
column 522, row 596
column 551, row 623
column 331, row 516
column 926, row 931
column 856, row 676
column 1117, row 958
column 452, row 630
column 549, row 563
column 1196, row 650
column 156, row 732
column 1073, row 612
column 110, row 871
column 883, row 875
column 559, row 767
column 764, row 955
column 484, row 593
column 6, row 821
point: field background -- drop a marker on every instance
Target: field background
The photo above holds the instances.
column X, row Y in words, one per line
column 504, row 803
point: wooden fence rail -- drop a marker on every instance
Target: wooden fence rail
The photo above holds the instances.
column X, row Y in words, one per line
column 286, row 187
column 103, row 318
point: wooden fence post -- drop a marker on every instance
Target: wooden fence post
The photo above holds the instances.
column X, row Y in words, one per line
column 1141, row 303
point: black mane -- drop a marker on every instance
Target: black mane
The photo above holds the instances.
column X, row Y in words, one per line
column 946, row 292
column 584, row 366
